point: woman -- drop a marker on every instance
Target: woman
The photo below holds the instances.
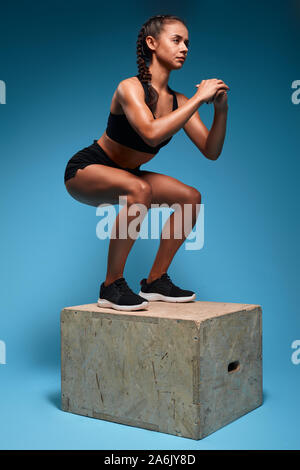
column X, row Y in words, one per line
column 145, row 114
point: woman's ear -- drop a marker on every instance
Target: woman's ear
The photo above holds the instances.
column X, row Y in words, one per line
column 151, row 42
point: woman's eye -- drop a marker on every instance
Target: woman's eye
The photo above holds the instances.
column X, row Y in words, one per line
column 187, row 45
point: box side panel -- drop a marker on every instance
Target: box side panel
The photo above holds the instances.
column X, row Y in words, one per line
column 75, row 329
column 177, row 377
column 132, row 371
column 230, row 368
column 107, row 366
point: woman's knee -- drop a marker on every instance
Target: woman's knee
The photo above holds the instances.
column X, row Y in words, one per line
column 192, row 196
column 140, row 192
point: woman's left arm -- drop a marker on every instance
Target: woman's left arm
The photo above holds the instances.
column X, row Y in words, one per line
column 215, row 138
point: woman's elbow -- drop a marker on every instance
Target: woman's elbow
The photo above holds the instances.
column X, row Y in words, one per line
column 212, row 156
column 148, row 136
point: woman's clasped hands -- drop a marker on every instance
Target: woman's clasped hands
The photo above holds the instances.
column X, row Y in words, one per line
column 214, row 91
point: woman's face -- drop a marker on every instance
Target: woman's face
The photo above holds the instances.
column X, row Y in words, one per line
column 172, row 44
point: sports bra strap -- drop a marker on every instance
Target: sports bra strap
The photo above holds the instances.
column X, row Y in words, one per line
column 175, row 104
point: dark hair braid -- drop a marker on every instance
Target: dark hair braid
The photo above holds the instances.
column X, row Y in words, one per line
column 152, row 27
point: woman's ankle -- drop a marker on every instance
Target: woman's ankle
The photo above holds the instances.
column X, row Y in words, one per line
column 153, row 277
column 110, row 280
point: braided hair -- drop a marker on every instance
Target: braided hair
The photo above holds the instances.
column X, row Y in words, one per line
column 152, row 27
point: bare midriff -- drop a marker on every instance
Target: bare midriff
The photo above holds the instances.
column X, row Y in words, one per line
column 124, row 156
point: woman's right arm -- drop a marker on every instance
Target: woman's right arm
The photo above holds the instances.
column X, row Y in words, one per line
column 154, row 131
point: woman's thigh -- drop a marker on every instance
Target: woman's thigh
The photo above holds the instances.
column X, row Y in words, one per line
column 169, row 190
column 99, row 184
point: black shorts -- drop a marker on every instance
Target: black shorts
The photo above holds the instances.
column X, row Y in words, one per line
column 90, row 155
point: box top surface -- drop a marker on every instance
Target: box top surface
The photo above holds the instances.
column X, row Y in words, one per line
column 196, row 310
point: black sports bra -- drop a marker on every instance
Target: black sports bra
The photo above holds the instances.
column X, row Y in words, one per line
column 119, row 129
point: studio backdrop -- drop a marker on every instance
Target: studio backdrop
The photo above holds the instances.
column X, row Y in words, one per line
column 60, row 64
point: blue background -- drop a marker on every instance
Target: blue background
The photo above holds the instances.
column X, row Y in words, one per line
column 61, row 63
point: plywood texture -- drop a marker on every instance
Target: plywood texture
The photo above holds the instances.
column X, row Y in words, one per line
column 164, row 368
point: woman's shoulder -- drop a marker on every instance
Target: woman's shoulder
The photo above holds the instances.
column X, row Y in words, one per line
column 135, row 83
column 130, row 85
column 133, row 80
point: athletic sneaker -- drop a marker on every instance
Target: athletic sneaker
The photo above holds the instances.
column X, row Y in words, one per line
column 164, row 289
column 119, row 296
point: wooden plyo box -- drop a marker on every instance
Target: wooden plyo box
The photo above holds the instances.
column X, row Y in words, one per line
column 186, row 369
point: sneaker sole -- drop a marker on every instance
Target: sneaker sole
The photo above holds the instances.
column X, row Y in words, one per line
column 107, row 303
column 164, row 298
